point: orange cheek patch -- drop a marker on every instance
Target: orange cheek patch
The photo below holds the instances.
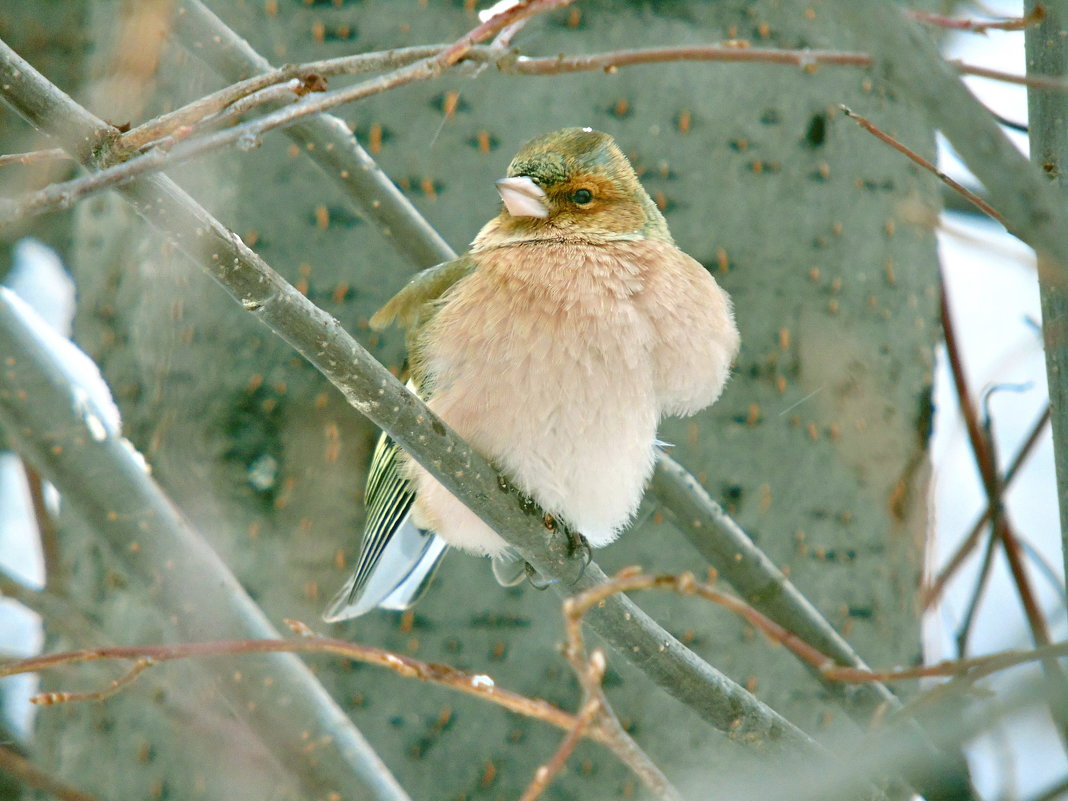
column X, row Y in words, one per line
column 613, row 209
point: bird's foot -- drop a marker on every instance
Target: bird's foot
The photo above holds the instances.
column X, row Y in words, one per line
column 576, row 543
column 535, row 579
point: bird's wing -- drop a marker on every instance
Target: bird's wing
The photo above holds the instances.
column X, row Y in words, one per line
column 397, row 559
column 409, row 307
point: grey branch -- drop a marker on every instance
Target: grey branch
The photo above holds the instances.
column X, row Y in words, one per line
column 1047, row 54
column 279, row 697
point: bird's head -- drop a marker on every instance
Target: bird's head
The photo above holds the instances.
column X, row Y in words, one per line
column 573, row 183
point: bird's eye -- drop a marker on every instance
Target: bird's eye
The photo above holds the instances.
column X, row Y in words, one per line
column 581, row 197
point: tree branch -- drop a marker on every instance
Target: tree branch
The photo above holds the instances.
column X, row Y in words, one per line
column 47, row 420
column 1047, row 54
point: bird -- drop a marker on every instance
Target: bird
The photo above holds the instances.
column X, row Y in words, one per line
column 554, row 346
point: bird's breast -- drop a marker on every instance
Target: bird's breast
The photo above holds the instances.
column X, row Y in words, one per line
column 542, row 361
column 555, row 317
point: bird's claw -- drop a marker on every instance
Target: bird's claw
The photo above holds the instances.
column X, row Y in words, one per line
column 577, row 543
column 535, row 579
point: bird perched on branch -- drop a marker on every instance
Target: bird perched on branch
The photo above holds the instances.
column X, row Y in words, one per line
column 553, row 346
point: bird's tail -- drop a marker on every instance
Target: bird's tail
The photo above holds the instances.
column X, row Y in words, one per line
column 397, row 559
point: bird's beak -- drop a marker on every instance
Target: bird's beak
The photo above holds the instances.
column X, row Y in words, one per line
column 522, row 197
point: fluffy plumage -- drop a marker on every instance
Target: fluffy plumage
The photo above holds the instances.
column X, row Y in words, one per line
column 556, row 344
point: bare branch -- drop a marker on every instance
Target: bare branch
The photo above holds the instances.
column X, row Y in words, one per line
column 963, row 191
column 545, row 773
column 592, row 722
column 51, row 428
column 975, row 26
column 193, row 113
column 30, row 775
column 982, row 447
column 932, row 593
column 35, row 156
column 1044, row 82
column 175, row 139
column 145, row 656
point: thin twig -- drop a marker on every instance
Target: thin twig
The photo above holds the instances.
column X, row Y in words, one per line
column 632, row 579
column 589, row 672
column 545, row 773
column 287, row 92
column 597, row 727
column 35, row 156
column 1032, row 81
column 24, row 771
column 247, row 135
column 982, row 448
column 479, row 685
column 738, row 52
column 495, row 24
column 964, row 631
column 972, row 667
column 114, row 686
column 177, row 129
column 482, row 686
column 46, row 529
column 191, row 114
column 968, row 194
column 933, row 592
column 977, row 26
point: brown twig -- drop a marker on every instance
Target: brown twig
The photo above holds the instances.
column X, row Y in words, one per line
column 419, row 63
column 589, row 673
column 473, row 684
column 992, row 484
column 964, row 631
column 594, row 673
column 934, row 591
column 575, row 608
column 117, row 171
column 46, row 528
column 972, row 668
column 187, row 117
column 495, row 24
column 1033, row 81
column 34, row 156
column 594, row 724
column 983, row 449
column 30, row 775
column 881, row 135
column 190, row 115
column 736, row 52
column 976, row 26
column 631, row 579
column 61, row 697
